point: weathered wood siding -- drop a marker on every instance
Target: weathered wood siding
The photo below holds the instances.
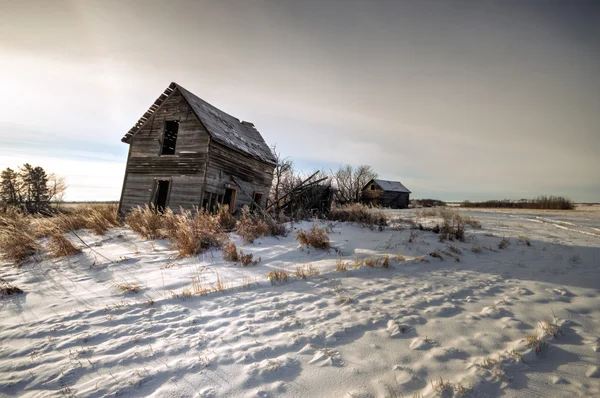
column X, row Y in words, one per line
column 185, row 168
column 252, row 174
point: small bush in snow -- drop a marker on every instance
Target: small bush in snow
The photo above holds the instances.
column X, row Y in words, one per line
column 251, row 227
column 7, row 289
column 146, row 221
column 503, row 243
column 304, row 271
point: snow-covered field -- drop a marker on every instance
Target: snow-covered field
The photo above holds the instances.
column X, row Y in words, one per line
column 467, row 323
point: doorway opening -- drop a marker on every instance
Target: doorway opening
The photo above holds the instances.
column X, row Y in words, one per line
column 162, row 194
column 229, row 198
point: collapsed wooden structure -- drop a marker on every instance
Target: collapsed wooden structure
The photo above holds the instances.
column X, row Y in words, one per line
column 309, row 197
column 186, row 153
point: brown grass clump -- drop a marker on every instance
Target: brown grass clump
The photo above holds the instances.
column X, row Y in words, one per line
column 7, row 289
column 525, row 240
column 17, row 241
column 436, row 254
column 60, row 246
column 251, row 227
column 315, row 237
column 304, row 271
column 372, row 262
column 359, row 213
column 453, row 226
column 194, row 233
column 226, row 219
column 230, row 252
column 129, row 288
column 277, row 276
column 146, row 221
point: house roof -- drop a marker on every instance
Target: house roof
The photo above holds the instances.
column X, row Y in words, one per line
column 394, row 186
column 221, row 126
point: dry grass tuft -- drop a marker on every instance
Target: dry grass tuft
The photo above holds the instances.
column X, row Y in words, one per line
column 7, row 289
column 525, row 240
column 372, row 262
column 359, row 213
column 60, row 246
column 194, row 233
column 247, row 259
column 436, row 253
column 277, row 276
column 220, row 285
column 129, row 288
column 17, row 240
column 476, row 249
column 340, row 265
column 146, row 221
column 230, row 253
column 226, row 220
column 304, row 271
column 503, row 243
column 251, row 227
column 316, row 237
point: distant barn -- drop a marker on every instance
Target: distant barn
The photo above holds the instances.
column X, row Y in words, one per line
column 386, row 194
column 184, row 152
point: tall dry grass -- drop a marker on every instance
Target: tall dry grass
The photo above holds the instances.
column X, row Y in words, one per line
column 17, row 238
column 195, row 232
column 251, row 227
column 359, row 213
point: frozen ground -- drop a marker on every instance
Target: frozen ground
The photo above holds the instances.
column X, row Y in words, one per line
column 361, row 333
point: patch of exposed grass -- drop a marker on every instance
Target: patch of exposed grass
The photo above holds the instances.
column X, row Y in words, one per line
column 372, row 262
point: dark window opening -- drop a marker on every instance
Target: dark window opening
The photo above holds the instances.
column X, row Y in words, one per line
column 256, row 199
column 372, row 187
column 229, row 199
column 206, row 200
column 169, row 138
column 161, row 195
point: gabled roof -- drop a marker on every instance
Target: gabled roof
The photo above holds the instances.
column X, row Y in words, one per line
column 394, row 186
column 221, row 126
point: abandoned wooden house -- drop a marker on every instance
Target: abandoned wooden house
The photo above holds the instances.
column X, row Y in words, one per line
column 386, row 194
column 185, row 153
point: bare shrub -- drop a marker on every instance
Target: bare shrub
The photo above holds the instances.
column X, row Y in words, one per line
column 304, row 271
column 60, row 246
column 359, row 213
column 7, row 289
column 277, row 276
column 315, row 237
column 17, row 241
column 452, row 228
column 146, row 221
column 247, row 259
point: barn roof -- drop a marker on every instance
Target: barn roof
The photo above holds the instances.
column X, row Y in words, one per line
column 221, row 126
column 394, row 186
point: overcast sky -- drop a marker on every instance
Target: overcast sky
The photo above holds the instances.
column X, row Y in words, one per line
column 456, row 99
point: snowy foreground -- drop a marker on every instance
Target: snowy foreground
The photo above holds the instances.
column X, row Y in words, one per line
column 424, row 327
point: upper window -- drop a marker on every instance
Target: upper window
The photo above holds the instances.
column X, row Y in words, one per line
column 169, row 137
column 372, row 187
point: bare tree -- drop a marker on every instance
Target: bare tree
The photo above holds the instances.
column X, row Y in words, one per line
column 57, row 188
column 349, row 182
column 283, row 176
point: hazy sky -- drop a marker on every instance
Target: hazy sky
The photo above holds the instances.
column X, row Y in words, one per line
column 456, row 99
